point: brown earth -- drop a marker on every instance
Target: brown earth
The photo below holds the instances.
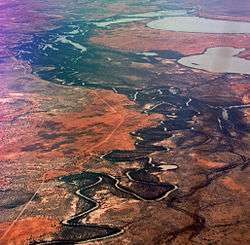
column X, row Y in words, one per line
column 47, row 131
column 56, row 118
column 27, row 229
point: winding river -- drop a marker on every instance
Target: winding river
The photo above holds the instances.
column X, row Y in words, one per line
column 144, row 185
column 77, row 63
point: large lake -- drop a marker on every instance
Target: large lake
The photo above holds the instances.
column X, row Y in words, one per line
column 219, row 59
column 196, row 24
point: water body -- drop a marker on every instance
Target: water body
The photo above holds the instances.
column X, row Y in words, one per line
column 64, row 40
column 149, row 54
column 77, row 62
column 138, row 17
column 178, row 12
column 202, row 25
column 116, row 21
column 218, row 59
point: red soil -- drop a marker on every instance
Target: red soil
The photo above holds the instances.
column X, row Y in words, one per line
column 103, row 125
column 27, row 229
column 231, row 184
column 48, row 131
column 42, row 122
column 207, row 163
column 242, row 90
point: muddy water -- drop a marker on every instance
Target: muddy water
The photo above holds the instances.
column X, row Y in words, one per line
column 219, row 59
column 202, row 25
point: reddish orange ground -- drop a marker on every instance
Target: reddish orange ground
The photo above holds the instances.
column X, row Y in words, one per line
column 48, row 131
column 204, row 162
column 242, row 90
column 27, row 229
column 115, row 120
column 104, row 124
column 232, row 185
column 43, row 122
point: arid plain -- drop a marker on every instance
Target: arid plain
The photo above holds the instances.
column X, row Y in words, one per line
column 107, row 138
